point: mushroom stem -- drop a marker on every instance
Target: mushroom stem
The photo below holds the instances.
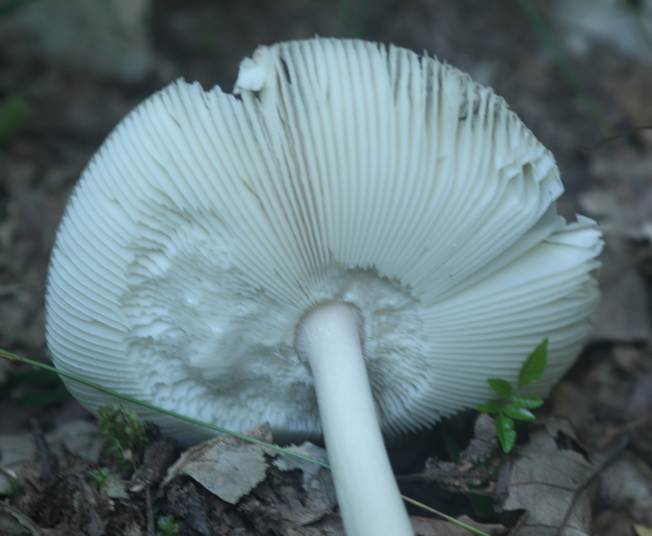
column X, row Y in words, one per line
column 367, row 493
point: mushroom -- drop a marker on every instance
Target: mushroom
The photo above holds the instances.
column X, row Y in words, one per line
column 352, row 243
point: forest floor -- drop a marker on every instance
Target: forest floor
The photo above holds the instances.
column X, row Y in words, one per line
column 580, row 77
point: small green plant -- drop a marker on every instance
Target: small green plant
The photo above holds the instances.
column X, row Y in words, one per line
column 99, row 477
column 512, row 406
column 167, row 526
column 124, row 436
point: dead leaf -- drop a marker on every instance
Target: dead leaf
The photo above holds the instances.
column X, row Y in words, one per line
column 627, row 485
column 475, row 470
column 115, row 487
column 543, row 480
column 309, row 470
column 227, row 467
column 278, row 494
column 295, row 501
column 426, row 526
column 80, row 438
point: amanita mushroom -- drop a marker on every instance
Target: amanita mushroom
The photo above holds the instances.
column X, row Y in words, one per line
column 353, row 243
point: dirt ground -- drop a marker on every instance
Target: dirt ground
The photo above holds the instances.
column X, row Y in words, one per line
column 579, row 74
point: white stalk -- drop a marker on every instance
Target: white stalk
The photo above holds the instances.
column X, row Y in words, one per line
column 367, row 493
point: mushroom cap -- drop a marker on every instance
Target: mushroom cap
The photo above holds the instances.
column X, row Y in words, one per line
column 208, row 224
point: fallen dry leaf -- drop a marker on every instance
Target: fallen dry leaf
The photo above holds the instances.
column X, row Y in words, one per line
column 227, row 467
column 474, row 471
column 80, row 438
column 309, row 470
column 278, row 494
column 115, row 487
column 426, row 526
column 543, row 480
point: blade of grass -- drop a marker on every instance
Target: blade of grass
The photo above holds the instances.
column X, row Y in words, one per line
column 151, row 407
column 461, row 524
column 9, row 356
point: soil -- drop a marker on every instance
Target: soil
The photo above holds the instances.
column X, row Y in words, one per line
column 579, row 75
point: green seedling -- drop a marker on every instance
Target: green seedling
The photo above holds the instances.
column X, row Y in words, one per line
column 99, row 477
column 124, row 436
column 511, row 405
column 167, row 526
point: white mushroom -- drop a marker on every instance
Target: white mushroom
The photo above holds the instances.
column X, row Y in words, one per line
column 353, row 243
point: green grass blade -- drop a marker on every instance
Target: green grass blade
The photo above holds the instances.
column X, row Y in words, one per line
column 4, row 354
column 446, row 517
column 131, row 400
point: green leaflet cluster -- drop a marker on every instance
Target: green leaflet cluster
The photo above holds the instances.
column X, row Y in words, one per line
column 512, row 406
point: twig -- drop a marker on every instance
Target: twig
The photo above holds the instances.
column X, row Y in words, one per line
column 626, row 428
column 614, row 137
